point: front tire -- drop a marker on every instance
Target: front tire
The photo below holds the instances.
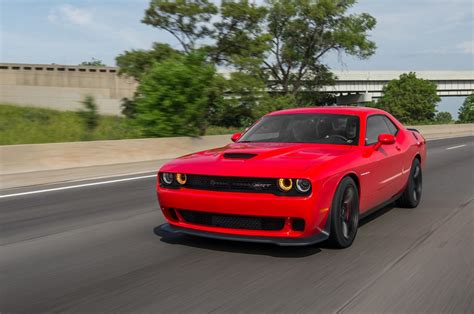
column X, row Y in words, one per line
column 412, row 195
column 344, row 214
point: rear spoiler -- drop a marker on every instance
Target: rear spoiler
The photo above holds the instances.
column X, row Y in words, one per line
column 414, row 130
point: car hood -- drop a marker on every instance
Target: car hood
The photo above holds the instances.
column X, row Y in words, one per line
column 258, row 159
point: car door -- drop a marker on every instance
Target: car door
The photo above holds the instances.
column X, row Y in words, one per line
column 380, row 175
column 402, row 155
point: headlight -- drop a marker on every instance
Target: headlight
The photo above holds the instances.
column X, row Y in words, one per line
column 303, row 185
column 285, row 184
column 181, row 178
column 167, row 177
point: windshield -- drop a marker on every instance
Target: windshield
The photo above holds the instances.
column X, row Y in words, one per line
column 305, row 128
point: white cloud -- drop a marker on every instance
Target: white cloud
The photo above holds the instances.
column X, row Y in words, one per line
column 73, row 16
column 467, row 47
column 70, row 14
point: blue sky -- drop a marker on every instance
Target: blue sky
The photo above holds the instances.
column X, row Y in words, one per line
column 410, row 35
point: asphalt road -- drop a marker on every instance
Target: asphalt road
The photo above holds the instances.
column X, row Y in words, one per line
column 97, row 248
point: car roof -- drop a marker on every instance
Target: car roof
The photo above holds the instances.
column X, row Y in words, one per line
column 352, row 110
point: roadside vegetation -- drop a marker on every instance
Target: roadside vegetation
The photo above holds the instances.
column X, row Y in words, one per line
column 29, row 125
column 466, row 111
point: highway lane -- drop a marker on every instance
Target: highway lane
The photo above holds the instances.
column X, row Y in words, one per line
column 98, row 248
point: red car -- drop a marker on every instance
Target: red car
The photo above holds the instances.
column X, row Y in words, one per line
column 296, row 177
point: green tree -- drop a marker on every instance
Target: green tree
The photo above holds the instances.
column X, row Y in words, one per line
column 89, row 114
column 274, row 103
column 466, row 111
column 186, row 20
column 304, row 32
column 235, row 109
column 240, row 37
column 444, row 117
column 410, row 99
column 282, row 42
column 93, row 63
column 135, row 63
column 174, row 97
column 129, row 108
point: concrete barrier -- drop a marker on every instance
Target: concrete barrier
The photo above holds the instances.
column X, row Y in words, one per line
column 446, row 130
column 44, row 157
column 40, row 157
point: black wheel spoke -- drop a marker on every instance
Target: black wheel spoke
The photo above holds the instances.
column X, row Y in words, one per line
column 346, row 214
column 416, row 173
column 348, row 196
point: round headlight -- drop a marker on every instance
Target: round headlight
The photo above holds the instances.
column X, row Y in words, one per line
column 181, row 178
column 285, row 184
column 167, row 177
column 303, row 185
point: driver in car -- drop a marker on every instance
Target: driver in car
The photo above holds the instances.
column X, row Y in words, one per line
column 304, row 131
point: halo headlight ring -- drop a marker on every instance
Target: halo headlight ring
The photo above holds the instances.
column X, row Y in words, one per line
column 303, row 185
column 167, row 178
column 285, row 184
column 181, row 178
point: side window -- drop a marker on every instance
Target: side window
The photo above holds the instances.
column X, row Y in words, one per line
column 375, row 126
column 393, row 129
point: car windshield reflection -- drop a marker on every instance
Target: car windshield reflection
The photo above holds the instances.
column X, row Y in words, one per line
column 305, row 128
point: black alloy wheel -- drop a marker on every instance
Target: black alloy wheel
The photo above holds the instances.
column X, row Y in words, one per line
column 411, row 197
column 344, row 214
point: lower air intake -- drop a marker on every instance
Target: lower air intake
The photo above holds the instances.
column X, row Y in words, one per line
column 232, row 221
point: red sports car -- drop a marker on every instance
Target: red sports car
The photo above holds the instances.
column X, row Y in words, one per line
column 296, row 177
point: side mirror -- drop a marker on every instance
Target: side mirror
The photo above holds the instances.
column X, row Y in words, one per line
column 236, row 137
column 384, row 139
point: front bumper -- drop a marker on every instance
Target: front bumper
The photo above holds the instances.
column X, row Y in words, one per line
column 314, row 211
column 320, row 237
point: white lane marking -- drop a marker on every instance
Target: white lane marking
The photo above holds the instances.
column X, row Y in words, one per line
column 454, row 147
column 77, row 186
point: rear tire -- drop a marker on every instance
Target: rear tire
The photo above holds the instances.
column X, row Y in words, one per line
column 412, row 195
column 344, row 214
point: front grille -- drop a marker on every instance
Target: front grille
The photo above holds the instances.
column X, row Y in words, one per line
column 232, row 221
column 232, row 184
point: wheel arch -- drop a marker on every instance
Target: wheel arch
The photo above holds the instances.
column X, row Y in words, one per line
column 417, row 156
column 354, row 177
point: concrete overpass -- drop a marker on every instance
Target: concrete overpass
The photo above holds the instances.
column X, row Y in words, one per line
column 360, row 86
column 449, row 83
column 64, row 86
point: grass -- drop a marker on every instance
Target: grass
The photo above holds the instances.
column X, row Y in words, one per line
column 27, row 125
column 30, row 125
column 219, row 130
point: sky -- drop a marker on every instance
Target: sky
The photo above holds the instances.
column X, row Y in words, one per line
column 410, row 35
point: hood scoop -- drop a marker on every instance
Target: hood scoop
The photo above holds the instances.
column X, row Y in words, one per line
column 239, row 155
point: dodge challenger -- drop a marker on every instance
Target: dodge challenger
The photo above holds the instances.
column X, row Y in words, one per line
column 295, row 177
